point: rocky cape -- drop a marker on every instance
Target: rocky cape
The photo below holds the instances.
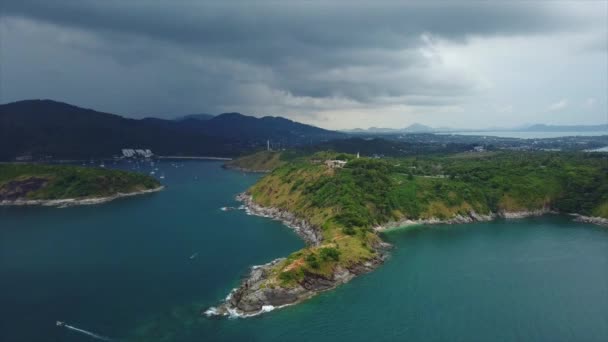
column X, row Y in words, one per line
column 252, row 297
column 68, row 202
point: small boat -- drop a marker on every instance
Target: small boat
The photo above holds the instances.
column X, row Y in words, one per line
column 193, row 255
column 102, row 165
column 151, row 172
column 162, row 176
column 60, row 323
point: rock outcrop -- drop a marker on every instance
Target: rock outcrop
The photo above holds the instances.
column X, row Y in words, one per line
column 254, row 296
column 309, row 233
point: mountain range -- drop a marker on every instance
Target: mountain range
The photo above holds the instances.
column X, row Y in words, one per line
column 41, row 128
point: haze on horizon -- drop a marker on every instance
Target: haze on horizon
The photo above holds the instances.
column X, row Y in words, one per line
column 335, row 64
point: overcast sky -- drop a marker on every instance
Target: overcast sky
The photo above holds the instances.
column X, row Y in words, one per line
column 335, row 64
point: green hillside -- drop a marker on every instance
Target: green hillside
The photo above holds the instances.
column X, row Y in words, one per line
column 345, row 203
column 52, row 182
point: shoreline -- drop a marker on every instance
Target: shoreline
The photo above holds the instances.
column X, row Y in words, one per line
column 193, row 157
column 251, row 298
column 244, row 169
column 600, row 221
column 69, row 202
column 461, row 219
column 306, row 231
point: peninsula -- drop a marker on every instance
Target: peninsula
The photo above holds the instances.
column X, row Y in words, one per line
column 65, row 185
column 338, row 203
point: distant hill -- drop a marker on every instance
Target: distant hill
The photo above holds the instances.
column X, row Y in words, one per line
column 45, row 127
column 280, row 131
column 201, row 117
column 413, row 128
column 416, row 128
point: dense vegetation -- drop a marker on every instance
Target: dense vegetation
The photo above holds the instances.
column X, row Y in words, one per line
column 49, row 182
column 346, row 203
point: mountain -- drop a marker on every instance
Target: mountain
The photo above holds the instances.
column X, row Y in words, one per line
column 48, row 128
column 277, row 129
column 201, row 117
column 413, row 128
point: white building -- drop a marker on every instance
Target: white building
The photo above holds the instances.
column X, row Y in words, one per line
column 130, row 153
column 335, row 164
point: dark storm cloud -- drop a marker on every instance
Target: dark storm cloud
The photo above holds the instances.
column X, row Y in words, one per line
column 229, row 54
column 271, row 32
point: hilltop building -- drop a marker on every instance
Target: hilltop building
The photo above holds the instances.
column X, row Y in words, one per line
column 335, row 164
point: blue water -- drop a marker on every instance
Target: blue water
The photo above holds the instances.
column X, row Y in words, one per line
column 531, row 134
column 123, row 270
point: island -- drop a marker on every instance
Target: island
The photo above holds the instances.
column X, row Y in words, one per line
column 67, row 185
column 338, row 203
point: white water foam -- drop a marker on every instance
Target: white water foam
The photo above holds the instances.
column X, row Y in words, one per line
column 82, row 331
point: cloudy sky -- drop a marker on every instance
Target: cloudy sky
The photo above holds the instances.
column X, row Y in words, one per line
column 335, row 64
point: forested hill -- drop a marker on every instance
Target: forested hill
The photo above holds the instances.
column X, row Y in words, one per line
column 44, row 127
column 22, row 182
column 369, row 191
column 346, row 203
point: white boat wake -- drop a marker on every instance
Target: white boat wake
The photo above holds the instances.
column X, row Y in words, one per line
column 82, row 331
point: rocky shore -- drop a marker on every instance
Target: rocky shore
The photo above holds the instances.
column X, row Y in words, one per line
column 68, row 202
column 253, row 297
column 309, row 233
column 591, row 219
column 460, row 219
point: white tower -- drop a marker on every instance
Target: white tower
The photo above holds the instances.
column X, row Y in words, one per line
column 357, row 155
column 268, row 145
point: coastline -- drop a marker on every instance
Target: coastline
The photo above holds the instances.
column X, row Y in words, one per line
column 244, row 169
column 309, row 233
column 193, row 157
column 68, row 202
column 600, row 221
column 252, row 298
column 461, row 219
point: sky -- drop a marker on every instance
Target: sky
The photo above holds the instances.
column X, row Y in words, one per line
column 335, row 64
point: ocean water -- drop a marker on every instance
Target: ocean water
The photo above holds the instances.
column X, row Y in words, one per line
column 531, row 134
column 123, row 270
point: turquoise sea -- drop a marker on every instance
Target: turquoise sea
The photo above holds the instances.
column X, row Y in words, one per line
column 124, row 270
